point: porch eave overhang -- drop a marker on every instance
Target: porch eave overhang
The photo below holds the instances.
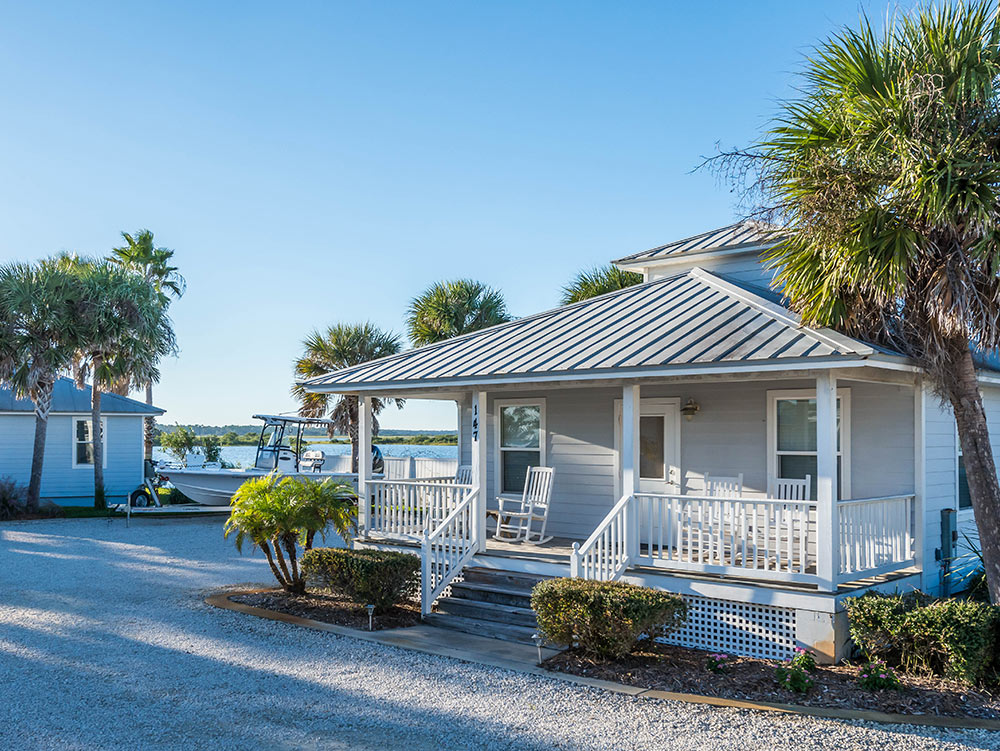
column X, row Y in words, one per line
column 788, row 366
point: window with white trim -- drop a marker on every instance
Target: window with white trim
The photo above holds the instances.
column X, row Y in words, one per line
column 520, row 442
column 83, row 443
column 792, row 437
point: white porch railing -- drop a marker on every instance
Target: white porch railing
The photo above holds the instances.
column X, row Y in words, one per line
column 445, row 551
column 604, row 556
column 753, row 538
column 876, row 536
column 408, row 508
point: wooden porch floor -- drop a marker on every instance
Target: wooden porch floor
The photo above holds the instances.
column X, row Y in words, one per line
column 556, row 550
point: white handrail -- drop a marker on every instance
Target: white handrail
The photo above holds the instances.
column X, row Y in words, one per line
column 446, row 550
column 875, row 536
column 408, row 508
column 604, row 556
column 756, row 538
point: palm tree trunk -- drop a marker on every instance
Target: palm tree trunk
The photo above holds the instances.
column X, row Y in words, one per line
column 97, row 437
column 149, row 424
column 42, row 408
column 352, row 429
column 984, row 489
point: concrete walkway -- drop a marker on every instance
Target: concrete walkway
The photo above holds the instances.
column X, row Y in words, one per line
column 106, row 643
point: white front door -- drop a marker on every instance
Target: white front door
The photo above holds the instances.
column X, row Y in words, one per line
column 659, row 446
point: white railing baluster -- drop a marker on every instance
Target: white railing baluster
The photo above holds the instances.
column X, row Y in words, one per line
column 875, row 536
column 448, row 547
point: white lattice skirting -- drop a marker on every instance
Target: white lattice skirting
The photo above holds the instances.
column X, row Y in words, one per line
column 737, row 628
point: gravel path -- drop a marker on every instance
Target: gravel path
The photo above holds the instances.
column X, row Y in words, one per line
column 105, row 643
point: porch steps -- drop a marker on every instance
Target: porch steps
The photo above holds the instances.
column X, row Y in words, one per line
column 489, row 603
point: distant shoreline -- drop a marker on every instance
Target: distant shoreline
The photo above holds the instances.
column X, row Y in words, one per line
column 398, row 440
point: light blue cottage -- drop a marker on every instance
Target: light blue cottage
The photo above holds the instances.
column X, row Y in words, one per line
column 68, row 472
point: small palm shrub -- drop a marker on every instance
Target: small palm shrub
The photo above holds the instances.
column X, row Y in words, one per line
column 368, row 577
column 605, row 619
column 12, row 498
column 278, row 515
column 918, row 634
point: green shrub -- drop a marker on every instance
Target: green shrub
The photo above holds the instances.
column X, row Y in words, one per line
column 876, row 676
column 213, row 448
column 605, row 619
column 12, row 498
column 794, row 677
column 171, row 496
column 369, row 577
column 952, row 638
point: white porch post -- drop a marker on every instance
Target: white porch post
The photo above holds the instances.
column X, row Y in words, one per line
column 630, row 460
column 827, row 513
column 364, row 461
column 478, row 459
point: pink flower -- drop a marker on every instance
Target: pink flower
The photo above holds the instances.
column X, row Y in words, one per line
column 882, row 675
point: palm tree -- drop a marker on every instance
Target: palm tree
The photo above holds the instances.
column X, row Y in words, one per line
column 598, row 281
column 448, row 309
column 885, row 173
column 37, row 342
column 124, row 331
column 140, row 255
column 279, row 514
column 342, row 346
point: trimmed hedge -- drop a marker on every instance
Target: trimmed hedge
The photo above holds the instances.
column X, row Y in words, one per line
column 605, row 619
column 369, row 577
column 952, row 638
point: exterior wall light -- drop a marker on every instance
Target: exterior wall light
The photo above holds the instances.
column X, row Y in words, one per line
column 690, row 409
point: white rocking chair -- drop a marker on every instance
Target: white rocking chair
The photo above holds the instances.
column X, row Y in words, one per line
column 516, row 517
column 463, row 476
column 788, row 489
column 724, row 487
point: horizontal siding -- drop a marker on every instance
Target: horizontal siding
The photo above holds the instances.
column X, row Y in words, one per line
column 743, row 268
column 940, row 479
column 726, row 437
column 60, row 480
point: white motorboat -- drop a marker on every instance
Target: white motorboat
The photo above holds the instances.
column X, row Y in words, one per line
column 214, row 486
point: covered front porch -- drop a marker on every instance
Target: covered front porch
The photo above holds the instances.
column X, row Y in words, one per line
column 634, row 490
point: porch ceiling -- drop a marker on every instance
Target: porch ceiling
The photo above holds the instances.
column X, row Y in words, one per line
column 692, row 323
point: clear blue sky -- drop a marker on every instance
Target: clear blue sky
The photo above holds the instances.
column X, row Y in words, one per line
column 313, row 163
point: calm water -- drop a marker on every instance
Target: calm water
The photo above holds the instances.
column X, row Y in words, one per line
column 244, row 455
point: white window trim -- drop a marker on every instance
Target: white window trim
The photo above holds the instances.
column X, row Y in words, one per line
column 498, row 406
column 844, row 395
column 73, row 442
column 964, row 514
column 674, row 466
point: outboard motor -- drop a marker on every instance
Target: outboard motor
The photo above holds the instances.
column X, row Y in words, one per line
column 378, row 463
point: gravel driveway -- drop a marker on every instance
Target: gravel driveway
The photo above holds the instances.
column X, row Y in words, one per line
column 105, row 643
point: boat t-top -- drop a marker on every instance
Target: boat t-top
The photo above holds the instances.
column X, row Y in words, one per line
column 211, row 485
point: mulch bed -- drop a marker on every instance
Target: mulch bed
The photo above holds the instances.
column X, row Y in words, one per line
column 681, row 670
column 331, row 608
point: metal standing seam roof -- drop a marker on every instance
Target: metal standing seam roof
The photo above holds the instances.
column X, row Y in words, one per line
column 694, row 317
column 746, row 234
column 66, row 397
